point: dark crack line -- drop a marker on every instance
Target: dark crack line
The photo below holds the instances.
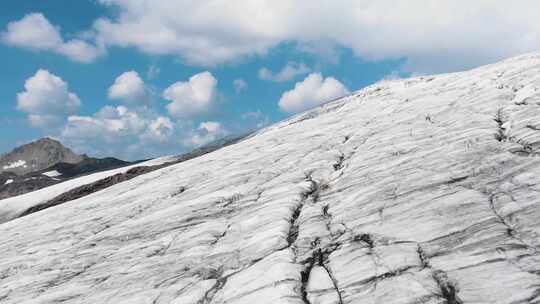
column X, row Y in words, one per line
column 424, row 259
column 510, row 231
column 368, row 241
column 499, row 119
column 5, row 296
column 365, row 238
column 305, row 279
column 319, row 255
column 525, row 149
column 109, row 225
column 220, row 236
column 535, row 128
column 448, row 290
column 311, row 193
column 377, row 278
column 334, row 281
column 273, row 284
column 339, row 162
column 63, row 279
column 534, row 297
column 216, row 274
column 222, row 280
column 293, row 230
column 209, row 295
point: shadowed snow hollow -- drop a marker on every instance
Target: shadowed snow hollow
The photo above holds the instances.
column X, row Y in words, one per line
column 422, row 190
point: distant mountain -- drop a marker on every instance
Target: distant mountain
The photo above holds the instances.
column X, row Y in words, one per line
column 38, row 155
column 46, row 162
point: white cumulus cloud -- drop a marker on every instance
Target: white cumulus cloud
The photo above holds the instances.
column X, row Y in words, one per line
column 207, row 132
column 193, row 97
column 109, row 125
column 160, row 129
column 429, row 35
column 35, row 32
column 136, row 133
column 123, row 132
column 239, row 85
column 289, row 72
column 153, row 71
column 312, row 91
column 256, row 118
column 46, row 99
column 79, row 50
column 129, row 88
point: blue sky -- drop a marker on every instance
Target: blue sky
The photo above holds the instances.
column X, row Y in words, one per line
column 70, row 53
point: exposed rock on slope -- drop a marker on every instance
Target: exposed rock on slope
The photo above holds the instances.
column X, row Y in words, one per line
column 46, row 162
column 12, row 184
column 87, row 165
column 422, row 190
column 36, row 156
column 60, row 172
column 13, row 207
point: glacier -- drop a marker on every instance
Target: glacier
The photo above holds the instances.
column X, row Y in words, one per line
column 419, row 190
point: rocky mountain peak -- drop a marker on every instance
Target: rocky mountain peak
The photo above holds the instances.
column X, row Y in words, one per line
column 37, row 155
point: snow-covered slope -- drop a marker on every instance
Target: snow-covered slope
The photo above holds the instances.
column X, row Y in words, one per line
column 13, row 207
column 422, row 190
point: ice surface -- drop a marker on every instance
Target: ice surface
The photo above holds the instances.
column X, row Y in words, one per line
column 422, row 190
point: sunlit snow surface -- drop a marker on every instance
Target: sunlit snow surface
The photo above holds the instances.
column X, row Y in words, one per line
column 53, row 173
column 422, row 190
column 16, row 164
